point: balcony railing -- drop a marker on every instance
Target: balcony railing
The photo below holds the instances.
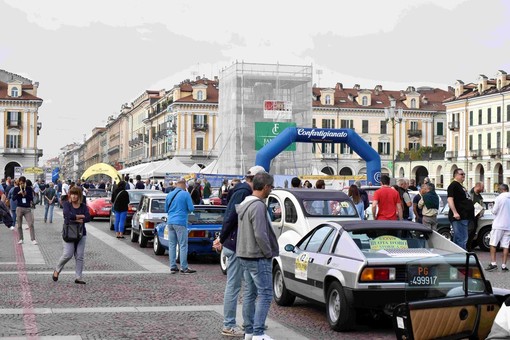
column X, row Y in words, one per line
column 414, row 133
column 454, row 126
column 14, row 123
column 476, row 153
column 329, row 155
column 200, row 127
column 495, row 152
column 451, row 154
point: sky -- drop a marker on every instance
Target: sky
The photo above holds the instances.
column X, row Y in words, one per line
column 92, row 56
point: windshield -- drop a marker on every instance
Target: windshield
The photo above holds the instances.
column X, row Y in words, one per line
column 96, row 193
column 135, row 196
column 206, row 216
column 392, row 241
column 158, row 205
column 330, row 208
column 444, row 276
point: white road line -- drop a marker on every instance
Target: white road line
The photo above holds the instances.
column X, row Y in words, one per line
column 92, row 272
column 49, row 337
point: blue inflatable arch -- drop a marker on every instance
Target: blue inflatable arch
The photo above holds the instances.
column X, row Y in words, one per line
column 306, row 135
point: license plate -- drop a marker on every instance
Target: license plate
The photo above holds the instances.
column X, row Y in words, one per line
column 422, row 276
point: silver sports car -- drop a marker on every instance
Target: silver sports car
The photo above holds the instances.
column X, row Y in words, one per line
column 369, row 265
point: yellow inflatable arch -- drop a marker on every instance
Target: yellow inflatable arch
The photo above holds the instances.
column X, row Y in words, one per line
column 102, row 168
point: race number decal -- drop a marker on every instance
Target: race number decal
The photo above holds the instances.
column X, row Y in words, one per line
column 165, row 233
column 301, row 271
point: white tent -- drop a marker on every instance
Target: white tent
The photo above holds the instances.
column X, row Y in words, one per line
column 196, row 168
column 144, row 172
column 170, row 166
column 131, row 169
column 212, row 168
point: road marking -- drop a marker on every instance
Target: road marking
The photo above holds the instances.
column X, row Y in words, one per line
column 94, row 272
column 55, row 337
column 276, row 329
column 31, row 252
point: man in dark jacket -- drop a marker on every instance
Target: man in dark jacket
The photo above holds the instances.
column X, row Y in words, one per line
column 228, row 238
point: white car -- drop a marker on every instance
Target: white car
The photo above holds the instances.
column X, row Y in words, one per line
column 149, row 213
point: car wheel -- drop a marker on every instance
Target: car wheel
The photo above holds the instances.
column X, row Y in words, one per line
column 112, row 227
column 158, row 248
column 483, row 238
column 446, row 233
column 134, row 236
column 282, row 296
column 142, row 239
column 341, row 316
column 223, row 263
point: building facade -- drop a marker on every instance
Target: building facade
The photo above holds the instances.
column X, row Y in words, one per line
column 19, row 106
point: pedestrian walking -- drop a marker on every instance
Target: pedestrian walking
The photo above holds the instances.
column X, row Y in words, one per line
column 120, row 208
column 386, row 204
column 430, row 205
column 228, row 240
column 75, row 210
column 13, row 203
column 50, row 198
column 178, row 206
column 256, row 246
column 500, row 232
column 461, row 208
column 24, row 196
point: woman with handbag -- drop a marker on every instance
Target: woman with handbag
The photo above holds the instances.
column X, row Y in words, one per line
column 120, row 208
column 75, row 211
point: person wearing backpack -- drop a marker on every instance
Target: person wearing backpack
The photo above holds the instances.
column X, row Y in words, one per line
column 74, row 211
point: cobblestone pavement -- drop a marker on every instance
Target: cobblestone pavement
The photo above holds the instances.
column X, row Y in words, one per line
column 131, row 295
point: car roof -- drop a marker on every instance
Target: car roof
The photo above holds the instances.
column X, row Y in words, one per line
column 155, row 195
column 311, row 194
column 380, row 224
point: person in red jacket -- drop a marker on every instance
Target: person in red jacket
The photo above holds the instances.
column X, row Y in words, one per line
column 386, row 204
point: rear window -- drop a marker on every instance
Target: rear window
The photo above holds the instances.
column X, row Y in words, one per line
column 328, row 208
column 206, row 216
column 135, row 196
column 158, row 206
column 389, row 239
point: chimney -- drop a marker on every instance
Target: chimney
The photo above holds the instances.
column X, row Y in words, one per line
column 339, row 86
column 402, row 94
column 451, row 89
column 198, row 78
column 35, row 87
column 350, row 97
column 378, row 88
column 357, row 87
column 410, row 89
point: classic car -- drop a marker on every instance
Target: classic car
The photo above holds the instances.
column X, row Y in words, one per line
column 355, row 266
column 149, row 213
column 134, row 199
column 96, row 193
column 294, row 212
column 465, row 309
column 204, row 225
column 213, row 199
column 99, row 207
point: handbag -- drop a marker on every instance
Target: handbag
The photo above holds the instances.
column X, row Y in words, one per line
column 72, row 232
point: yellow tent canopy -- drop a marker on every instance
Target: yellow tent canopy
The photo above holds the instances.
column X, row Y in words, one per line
column 33, row 170
column 102, row 168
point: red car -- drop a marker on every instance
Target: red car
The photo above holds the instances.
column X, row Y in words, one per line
column 99, row 207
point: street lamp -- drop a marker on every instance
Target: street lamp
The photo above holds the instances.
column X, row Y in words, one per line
column 395, row 117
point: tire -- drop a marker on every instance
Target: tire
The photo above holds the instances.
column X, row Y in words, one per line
column 341, row 316
column 281, row 295
column 134, row 236
column 142, row 239
column 158, row 248
column 446, row 233
column 112, row 227
column 483, row 238
column 223, row 263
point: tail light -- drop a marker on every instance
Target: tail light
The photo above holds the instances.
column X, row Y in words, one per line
column 197, row 233
column 459, row 273
column 131, row 209
column 149, row 225
column 377, row 274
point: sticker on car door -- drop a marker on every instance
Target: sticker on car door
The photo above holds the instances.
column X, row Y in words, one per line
column 165, row 233
column 301, row 268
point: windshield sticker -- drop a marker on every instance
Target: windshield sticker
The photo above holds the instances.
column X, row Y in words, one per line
column 301, row 271
column 344, row 204
column 165, row 233
column 387, row 242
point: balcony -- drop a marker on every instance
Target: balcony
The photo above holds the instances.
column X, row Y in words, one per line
column 414, row 133
column 451, row 154
column 200, row 127
column 113, row 150
column 454, row 126
column 15, row 123
column 329, row 156
column 475, row 153
column 495, row 152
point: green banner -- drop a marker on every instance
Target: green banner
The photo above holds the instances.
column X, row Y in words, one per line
column 267, row 131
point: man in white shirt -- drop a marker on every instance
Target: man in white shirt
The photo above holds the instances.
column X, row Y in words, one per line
column 500, row 232
column 65, row 192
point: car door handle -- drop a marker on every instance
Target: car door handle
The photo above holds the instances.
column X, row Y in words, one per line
column 329, row 260
column 310, row 260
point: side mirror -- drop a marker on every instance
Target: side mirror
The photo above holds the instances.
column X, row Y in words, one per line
column 290, row 248
column 164, row 218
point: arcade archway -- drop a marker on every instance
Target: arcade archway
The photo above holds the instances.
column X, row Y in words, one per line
column 9, row 169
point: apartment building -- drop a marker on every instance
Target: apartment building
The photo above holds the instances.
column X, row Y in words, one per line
column 479, row 130
column 19, row 105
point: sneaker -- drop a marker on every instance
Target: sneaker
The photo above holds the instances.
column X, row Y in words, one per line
column 188, row 271
column 262, row 337
column 20, row 242
column 248, row 336
column 232, row 331
column 12, row 228
column 34, row 242
column 174, row 270
column 504, row 269
column 491, row 267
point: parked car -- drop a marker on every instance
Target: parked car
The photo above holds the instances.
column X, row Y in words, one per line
column 355, row 266
column 134, row 198
column 213, row 199
column 99, row 207
column 204, row 225
column 149, row 213
column 96, row 193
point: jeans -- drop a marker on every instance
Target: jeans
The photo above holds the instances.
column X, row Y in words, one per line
column 234, row 279
column 13, row 214
column 48, row 207
column 460, row 233
column 76, row 249
column 178, row 234
column 259, row 283
column 120, row 220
